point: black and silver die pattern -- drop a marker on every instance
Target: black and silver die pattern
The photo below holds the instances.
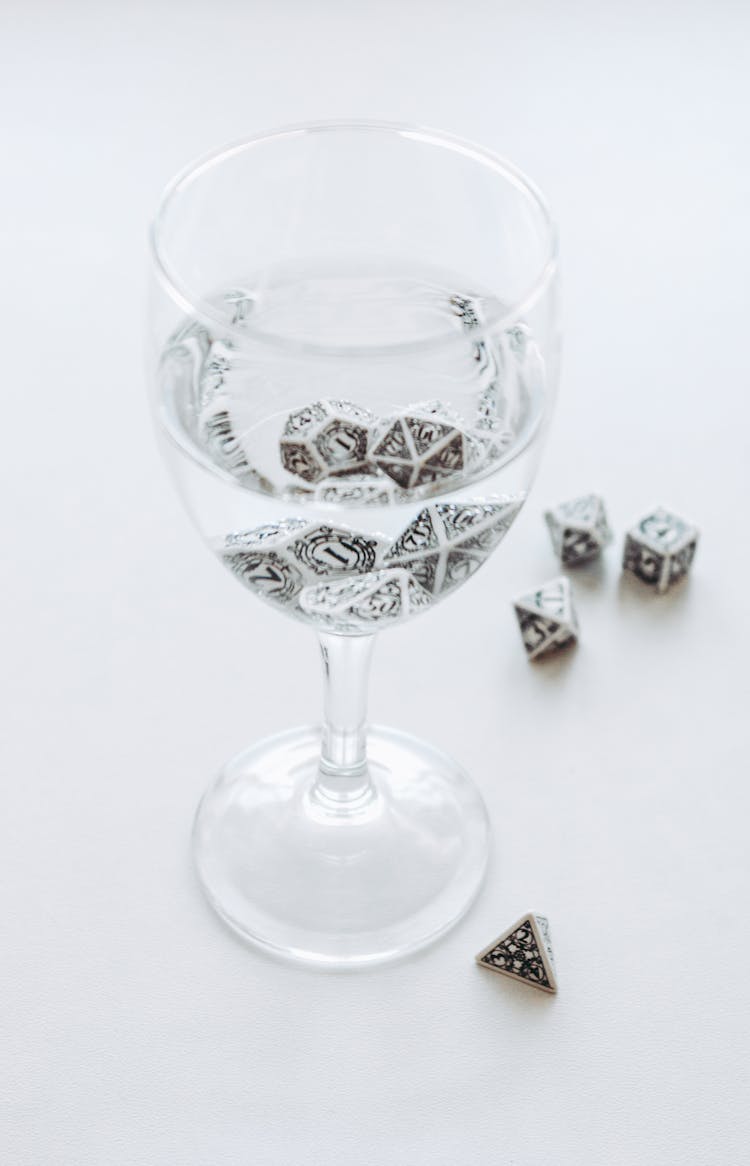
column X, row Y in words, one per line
column 523, row 952
column 277, row 561
column 214, row 424
column 358, row 490
column 547, row 618
column 359, row 604
column 660, row 548
column 326, row 438
column 448, row 541
column 421, row 445
column 579, row 529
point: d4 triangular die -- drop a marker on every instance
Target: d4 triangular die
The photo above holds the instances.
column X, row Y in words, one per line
column 547, row 618
column 523, row 952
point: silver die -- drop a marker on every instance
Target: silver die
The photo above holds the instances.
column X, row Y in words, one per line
column 547, row 618
column 523, row 952
column 277, row 561
column 422, row 444
column 362, row 603
column 660, row 549
column 358, row 490
column 447, row 542
column 579, row 529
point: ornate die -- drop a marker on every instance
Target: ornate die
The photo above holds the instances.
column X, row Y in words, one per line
column 358, row 490
column 468, row 311
column 547, row 618
column 579, row 529
column 660, row 548
column 278, row 560
column 423, row 444
column 215, row 426
column 361, row 603
column 523, row 952
column 218, row 437
column 326, row 438
column 448, row 541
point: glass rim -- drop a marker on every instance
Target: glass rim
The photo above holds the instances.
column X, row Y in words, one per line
column 202, row 310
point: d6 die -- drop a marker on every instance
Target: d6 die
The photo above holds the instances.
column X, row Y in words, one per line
column 326, row 438
column 547, row 618
column 660, row 548
column 448, row 541
column 579, row 529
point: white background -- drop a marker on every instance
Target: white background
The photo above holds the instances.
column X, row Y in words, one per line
column 135, row 1030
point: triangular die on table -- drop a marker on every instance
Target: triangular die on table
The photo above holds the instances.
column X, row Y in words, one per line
column 523, row 952
column 547, row 618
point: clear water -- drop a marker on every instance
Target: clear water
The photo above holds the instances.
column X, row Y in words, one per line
column 351, row 490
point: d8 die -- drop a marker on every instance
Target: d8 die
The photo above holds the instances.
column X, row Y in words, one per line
column 448, row 541
column 660, row 548
column 361, row 603
column 326, row 438
column 422, row 444
column 547, row 618
column 278, row 560
column 579, row 529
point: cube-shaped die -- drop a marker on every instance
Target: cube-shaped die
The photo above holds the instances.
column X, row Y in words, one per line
column 579, row 529
column 278, row 560
column 660, row 548
column 326, row 438
column 547, row 618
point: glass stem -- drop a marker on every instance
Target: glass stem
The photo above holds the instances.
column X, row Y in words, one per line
column 343, row 774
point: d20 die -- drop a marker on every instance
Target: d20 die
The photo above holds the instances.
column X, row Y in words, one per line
column 660, row 548
column 523, row 952
column 579, row 529
column 360, row 604
column 448, row 541
column 420, row 445
column 547, row 618
column 326, row 438
column 278, row 560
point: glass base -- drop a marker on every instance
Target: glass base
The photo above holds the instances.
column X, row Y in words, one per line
column 341, row 877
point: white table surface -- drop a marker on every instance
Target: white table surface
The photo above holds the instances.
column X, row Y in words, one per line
column 135, row 1030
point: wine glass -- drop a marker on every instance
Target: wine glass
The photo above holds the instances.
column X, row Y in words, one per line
column 353, row 357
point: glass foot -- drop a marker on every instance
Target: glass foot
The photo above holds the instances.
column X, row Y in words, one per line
column 343, row 877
